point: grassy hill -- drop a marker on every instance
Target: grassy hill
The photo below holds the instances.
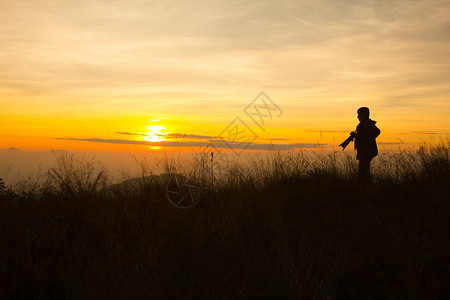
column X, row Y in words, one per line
column 283, row 226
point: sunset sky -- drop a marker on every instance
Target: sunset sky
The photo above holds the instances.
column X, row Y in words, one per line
column 127, row 75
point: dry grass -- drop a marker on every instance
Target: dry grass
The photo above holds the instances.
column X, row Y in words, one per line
column 286, row 226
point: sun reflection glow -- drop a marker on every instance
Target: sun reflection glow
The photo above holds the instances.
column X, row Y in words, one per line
column 155, row 133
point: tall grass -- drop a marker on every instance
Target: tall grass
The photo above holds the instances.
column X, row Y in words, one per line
column 72, row 177
column 286, row 225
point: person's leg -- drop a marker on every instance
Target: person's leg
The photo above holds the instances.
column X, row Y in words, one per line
column 368, row 175
column 364, row 170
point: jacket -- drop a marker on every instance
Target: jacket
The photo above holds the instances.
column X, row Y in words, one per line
column 365, row 144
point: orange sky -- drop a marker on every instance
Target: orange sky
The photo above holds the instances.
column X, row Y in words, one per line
column 119, row 75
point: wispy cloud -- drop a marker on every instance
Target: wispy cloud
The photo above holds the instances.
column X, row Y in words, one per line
column 211, row 143
column 189, row 136
column 130, row 133
column 172, row 135
column 423, row 132
column 390, row 143
column 224, row 42
column 275, row 139
column 324, row 131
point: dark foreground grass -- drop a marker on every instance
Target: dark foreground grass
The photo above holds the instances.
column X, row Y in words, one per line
column 281, row 227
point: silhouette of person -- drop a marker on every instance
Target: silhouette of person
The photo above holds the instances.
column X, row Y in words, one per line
column 365, row 143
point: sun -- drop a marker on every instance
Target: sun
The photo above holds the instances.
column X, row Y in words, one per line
column 155, row 133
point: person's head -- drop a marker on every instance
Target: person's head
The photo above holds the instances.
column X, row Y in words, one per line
column 363, row 113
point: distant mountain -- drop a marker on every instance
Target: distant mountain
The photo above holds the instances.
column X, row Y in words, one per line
column 139, row 182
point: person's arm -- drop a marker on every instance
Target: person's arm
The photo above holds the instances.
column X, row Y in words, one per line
column 345, row 143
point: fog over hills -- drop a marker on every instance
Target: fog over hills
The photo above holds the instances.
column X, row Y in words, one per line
column 16, row 164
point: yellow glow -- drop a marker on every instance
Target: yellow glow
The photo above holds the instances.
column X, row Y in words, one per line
column 60, row 88
column 155, row 133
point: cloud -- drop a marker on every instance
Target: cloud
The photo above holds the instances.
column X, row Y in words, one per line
column 420, row 132
column 293, row 44
column 316, row 130
column 211, row 143
column 275, row 139
column 188, row 136
column 172, row 135
column 130, row 133
column 390, row 143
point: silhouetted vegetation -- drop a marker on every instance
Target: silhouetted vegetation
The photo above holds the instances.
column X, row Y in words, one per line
column 281, row 226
